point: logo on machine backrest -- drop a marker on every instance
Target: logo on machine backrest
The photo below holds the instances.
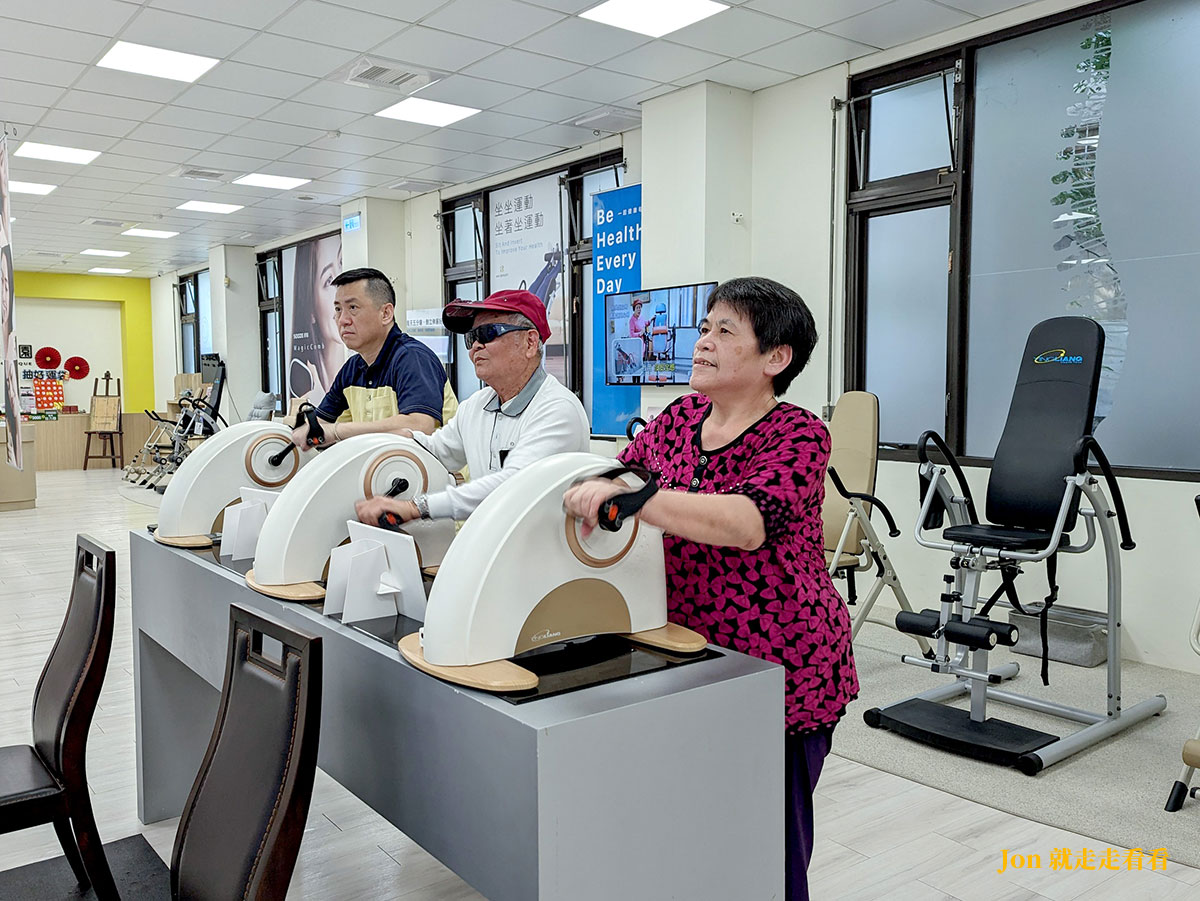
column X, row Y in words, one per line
column 1058, row 355
column 544, row 635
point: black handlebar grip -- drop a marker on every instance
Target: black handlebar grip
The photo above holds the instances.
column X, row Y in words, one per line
column 399, row 486
column 389, row 521
column 614, row 511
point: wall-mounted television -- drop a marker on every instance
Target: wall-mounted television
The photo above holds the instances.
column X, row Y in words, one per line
column 650, row 335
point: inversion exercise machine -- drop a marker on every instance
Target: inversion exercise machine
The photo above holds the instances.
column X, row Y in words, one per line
column 1191, row 749
column 850, row 478
column 1038, row 476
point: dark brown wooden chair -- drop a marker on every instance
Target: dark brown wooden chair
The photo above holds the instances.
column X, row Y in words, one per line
column 47, row 783
column 241, row 828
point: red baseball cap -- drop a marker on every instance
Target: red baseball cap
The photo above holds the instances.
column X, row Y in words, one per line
column 459, row 315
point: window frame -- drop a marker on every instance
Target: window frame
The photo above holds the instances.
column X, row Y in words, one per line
column 916, row 190
column 192, row 280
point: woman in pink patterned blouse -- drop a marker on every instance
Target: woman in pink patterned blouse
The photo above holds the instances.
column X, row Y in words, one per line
column 742, row 480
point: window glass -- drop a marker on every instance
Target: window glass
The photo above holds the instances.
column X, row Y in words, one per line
column 466, row 248
column 204, row 304
column 594, row 182
column 190, row 363
column 465, row 380
column 271, row 330
column 908, row 129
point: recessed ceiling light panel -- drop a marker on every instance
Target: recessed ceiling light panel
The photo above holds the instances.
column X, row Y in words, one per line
column 204, row 206
column 93, row 252
column 278, row 182
column 653, row 17
column 427, row 112
column 143, row 60
column 110, row 271
column 55, row 153
column 148, row 233
column 29, row 187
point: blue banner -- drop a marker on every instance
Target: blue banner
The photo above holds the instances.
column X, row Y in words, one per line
column 616, row 269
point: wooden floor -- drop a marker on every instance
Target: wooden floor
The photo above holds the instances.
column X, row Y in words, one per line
column 878, row 836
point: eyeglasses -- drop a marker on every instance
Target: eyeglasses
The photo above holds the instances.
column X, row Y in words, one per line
column 486, row 334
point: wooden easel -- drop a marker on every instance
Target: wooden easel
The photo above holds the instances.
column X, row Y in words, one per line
column 105, row 421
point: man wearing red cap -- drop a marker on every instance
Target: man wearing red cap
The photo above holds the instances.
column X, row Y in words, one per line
column 521, row 416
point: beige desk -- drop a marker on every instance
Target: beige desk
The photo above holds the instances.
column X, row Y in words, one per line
column 18, row 489
column 60, row 443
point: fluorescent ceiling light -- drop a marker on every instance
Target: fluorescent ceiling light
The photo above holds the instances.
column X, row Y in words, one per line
column 653, row 17
column 29, row 187
column 280, row 182
column 92, row 252
column 110, row 271
column 143, row 60
column 427, row 112
column 203, row 206
column 148, row 233
column 56, row 153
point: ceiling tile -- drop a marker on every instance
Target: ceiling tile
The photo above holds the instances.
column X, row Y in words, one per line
column 348, row 97
column 135, row 164
column 435, row 49
column 322, row 117
column 453, row 175
column 548, row 107
column 515, row 149
column 55, row 43
column 296, row 170
column 513, row 66
column 276, row 131
column 498, row 124
column 388, row 129
column 502, row 21
column 810, row 52
column 302, row 57
column 600, row 85
column 31, row 93
column 233, row 163
column 238, row 12
column 736, row 32
column 21, row 114
column 560, row 135
column 898, row 23
column 408, row 10
column 85, row 122
column 255, row 79
column 569, row 6
column 183, row 138
column 421, row 154
column 340, row 26
column 106, row 17
column 662, row 61
column 354, row 178
column 218, row 100
column 69, row 138
column 583, row 41
column 738, row 73
column 452, row 139
column 359, row 145
column 151, row 151
column 106, row 104
column 488, row 165
column 38, row 69
column 115, row 175
column 982, row 7
column 267, row 150
column 473, row 92
column 187, row 34
column 814, row 13
column 330, row 158
column 389, row 167
column 633, row 101
column 183, row 117
column 125, row 84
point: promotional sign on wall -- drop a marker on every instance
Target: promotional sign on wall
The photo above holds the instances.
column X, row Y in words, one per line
column 616, row 269
column 8, row 340
column 526, row 246
column 313, row 348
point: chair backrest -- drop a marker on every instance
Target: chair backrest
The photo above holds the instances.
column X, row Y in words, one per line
column 241, row 827
column 854, row 450
column 1052, row 408
column 69, row 687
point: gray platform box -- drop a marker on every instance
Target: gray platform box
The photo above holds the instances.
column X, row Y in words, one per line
column 1073, row 636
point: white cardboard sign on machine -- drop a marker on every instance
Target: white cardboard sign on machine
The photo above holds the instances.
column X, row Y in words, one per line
column 374, row 576
column 244, row 521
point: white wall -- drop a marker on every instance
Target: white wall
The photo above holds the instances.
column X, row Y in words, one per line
column 164, row 327
column 235, row 327
column 75, row 328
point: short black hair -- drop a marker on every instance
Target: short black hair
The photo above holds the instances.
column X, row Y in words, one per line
column 779, row 317
column 379, row 289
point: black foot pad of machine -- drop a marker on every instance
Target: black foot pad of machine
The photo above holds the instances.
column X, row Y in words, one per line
column 951, row 729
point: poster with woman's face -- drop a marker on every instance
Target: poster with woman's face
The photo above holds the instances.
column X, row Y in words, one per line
column 8, row 340
column 315, row 352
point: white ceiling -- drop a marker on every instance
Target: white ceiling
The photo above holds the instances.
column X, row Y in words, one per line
column 534, row 66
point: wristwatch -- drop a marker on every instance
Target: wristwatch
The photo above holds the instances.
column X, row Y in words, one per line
column 422, row 504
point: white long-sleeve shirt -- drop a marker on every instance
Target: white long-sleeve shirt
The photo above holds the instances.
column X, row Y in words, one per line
column 495, row 440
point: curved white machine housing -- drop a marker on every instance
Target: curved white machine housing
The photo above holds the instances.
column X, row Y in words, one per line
column 309, row 519
column 519, row 576
column 211, row 477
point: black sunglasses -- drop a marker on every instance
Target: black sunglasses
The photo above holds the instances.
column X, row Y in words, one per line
column 486, row 334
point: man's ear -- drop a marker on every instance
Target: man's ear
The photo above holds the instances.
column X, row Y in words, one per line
column 389, row 313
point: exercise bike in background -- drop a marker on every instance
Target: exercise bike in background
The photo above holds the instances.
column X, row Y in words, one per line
column 1191, row 749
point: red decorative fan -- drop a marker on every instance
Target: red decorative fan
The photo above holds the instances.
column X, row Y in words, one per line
column 48, row 358
column 77, row 368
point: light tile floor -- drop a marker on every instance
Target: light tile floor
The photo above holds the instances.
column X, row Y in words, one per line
column 878, row 835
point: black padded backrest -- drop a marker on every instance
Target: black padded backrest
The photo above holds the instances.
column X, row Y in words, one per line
column 69, row 687
column 241, row 828
column 1052, row 408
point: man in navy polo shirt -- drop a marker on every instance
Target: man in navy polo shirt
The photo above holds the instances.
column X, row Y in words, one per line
column 393, row 382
